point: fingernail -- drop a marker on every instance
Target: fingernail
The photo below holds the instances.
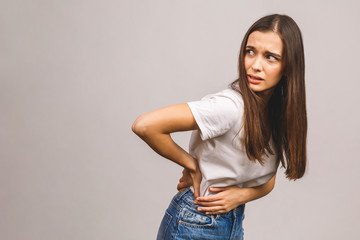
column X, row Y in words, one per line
column 199, row 209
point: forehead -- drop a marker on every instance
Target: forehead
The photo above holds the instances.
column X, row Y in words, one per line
column 266, row 41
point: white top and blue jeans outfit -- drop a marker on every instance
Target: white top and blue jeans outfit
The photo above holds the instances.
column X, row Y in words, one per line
column 218, row 147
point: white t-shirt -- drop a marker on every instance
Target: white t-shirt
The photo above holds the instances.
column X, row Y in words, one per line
column 219, row 148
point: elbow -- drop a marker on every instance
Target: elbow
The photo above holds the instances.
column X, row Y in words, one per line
column 271, row 188
column 272, row 185
column 140, row 127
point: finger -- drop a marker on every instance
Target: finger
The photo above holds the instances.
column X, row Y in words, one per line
column 196, row 191
column 210, row 204
column 181, row 189
column 210, row 209
column 217, row 189
column 196, row 186
column 211, row 198
column 181, row 185
column 216, row 212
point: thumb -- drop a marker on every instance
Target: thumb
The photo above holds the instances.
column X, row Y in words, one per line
column 196, row 190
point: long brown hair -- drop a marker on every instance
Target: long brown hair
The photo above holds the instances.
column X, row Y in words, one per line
column 286, row 109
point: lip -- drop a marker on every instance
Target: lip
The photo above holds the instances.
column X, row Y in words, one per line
column 254, row 79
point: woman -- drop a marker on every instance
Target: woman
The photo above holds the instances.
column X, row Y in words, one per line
column 240, row 135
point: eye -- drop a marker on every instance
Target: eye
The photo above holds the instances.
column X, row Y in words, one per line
column 250, row 52
column 272, row 58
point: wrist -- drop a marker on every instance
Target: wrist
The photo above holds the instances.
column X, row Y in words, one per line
column 244, row 195
column 248, row 195
column 252, row 193
column 191, row 165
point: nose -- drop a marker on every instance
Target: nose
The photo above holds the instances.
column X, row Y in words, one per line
column 257, row 65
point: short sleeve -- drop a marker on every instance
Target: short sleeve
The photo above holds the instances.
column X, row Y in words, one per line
column 216, row 113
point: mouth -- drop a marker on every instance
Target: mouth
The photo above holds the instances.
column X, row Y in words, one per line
column 254, row 79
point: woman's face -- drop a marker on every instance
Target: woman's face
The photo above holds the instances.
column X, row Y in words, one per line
column 263, row 60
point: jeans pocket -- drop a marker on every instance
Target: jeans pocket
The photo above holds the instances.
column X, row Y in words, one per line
column 192, row 218
column 163, row 226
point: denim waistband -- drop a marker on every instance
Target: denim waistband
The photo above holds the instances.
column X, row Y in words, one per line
column 188, row 196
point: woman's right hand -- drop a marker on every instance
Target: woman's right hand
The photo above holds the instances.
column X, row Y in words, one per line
column 185, row 181
column 190, row 178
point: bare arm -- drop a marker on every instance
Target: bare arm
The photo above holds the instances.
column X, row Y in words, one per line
column 155, row 128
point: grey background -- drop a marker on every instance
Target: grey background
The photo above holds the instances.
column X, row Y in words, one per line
column 74, row 75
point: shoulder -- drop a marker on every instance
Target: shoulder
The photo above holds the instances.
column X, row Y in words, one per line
column 229, row 94
column 216, row 113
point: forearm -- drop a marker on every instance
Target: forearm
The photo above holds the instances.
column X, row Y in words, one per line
column 253, row 193
column 155, row 128
column 163, row 144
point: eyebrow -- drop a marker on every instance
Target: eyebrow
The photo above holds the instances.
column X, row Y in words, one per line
column 267, row 52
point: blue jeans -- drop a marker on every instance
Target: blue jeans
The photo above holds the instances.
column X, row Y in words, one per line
column 182, row 220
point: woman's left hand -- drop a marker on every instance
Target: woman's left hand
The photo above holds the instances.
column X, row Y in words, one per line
column 226, row 199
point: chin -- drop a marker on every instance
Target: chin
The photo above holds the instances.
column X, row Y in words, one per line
column 256, row 88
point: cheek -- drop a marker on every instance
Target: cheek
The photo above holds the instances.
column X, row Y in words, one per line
column 275, row 74
column 246, row 63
